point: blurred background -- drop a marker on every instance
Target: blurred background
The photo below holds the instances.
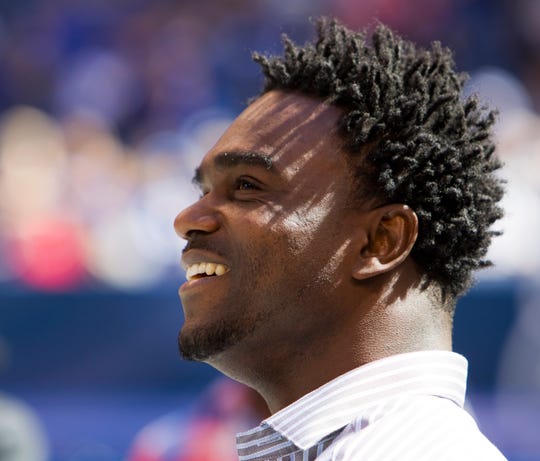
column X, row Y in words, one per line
column 106, row 106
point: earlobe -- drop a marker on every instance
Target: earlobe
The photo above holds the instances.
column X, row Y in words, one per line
column 390, row 235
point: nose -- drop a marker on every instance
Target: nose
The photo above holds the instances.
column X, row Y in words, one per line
column 197, row 217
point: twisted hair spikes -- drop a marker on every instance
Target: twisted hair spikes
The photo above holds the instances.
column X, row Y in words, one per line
column 412, row 137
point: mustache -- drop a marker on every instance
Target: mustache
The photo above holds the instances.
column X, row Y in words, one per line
column 201, row 242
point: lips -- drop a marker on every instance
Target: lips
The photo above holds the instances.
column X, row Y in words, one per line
column 201, row 264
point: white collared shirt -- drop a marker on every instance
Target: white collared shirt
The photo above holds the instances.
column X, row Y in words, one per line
column 404, row 407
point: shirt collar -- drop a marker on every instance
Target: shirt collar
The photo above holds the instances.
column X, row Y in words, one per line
column 340, row 401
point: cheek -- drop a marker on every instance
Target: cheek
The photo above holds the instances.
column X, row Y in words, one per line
column 307, row 224
column 308, row 241
column 319, row 248
column 272, row 234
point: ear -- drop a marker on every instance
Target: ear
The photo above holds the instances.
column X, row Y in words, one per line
column 391, row 231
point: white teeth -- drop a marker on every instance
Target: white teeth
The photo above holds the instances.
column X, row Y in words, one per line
column 205, row 269
column 221, row 269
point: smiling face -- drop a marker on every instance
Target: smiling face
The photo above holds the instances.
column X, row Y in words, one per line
column 273, row 229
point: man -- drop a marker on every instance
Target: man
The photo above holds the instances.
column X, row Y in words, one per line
column 341, row 216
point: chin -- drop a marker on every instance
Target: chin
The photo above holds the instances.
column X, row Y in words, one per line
column 204, row 342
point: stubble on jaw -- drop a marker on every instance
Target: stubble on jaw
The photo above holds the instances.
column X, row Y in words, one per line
column 207, row 341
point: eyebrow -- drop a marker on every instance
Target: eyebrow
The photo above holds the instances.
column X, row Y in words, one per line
column 236, row 158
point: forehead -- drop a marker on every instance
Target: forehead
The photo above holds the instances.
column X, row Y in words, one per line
column 289, row 128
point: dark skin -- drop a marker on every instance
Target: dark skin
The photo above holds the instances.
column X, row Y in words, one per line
column 316, row 283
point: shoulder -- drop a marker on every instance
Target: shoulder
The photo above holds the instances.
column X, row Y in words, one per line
column 425, row 428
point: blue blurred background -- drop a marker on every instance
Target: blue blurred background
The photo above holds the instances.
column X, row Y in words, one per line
column 106, row 106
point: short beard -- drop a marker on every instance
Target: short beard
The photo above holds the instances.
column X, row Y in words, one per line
column 206, row 342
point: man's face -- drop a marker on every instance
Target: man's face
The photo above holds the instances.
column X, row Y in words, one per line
column 275, row 220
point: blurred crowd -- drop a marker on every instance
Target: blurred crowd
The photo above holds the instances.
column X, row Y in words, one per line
column 206, row 432
column 106, row 106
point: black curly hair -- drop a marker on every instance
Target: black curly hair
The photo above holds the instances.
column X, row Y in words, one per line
column 420, row 141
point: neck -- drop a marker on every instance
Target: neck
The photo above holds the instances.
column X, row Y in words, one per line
column 390, row 321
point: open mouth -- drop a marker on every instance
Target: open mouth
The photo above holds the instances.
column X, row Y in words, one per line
column 204, row 269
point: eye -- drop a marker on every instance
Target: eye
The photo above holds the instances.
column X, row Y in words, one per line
column 245, row 184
